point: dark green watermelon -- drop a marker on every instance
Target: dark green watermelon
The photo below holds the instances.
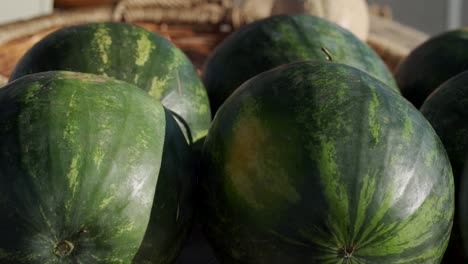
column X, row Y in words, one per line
column 80, row 157
column 128, row 53
column 319, row 162
column 278, row 40
column 173, row 206
column 432, row 63
column 447, row 111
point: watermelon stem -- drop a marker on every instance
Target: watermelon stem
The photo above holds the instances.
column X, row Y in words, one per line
column 64, row 248
column 327, row 54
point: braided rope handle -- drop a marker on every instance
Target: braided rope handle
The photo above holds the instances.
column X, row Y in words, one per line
column 161, row 3
column 209, row 13
column 235, row 12
column 125, row 5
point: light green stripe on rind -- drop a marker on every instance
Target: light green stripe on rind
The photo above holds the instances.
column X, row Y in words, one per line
column 408, row 129
column 31, row 94
column 102, row 42
column 374, row 227
column 335, row 190
column 98, row 156
column 144, row 47
column 365, row 199
column 105, row 202
column 430, row 157
column 407, row 236
column 374, row 124
column 157, row 87
column 73, row 175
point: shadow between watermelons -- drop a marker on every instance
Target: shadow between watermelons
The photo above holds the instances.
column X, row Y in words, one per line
column 173, row 206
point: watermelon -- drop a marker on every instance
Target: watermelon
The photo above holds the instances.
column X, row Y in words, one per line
column 447, row 111
column 318, row 162
column 282, row 39
column 432, row 63
column 128, row 53
column 463, row 221
column 82, row 155
column 173, row 207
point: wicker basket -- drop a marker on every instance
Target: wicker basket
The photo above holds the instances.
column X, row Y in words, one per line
column 195, row 35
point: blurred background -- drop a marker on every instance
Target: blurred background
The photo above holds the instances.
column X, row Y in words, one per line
column 23, row 9
column 429, row 16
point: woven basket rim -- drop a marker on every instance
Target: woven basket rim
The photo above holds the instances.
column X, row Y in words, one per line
column 391, row 50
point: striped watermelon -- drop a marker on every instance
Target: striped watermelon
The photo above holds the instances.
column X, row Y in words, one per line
column 131, row 54
column 81, row 156
column 278, row 40
column 318, row 162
